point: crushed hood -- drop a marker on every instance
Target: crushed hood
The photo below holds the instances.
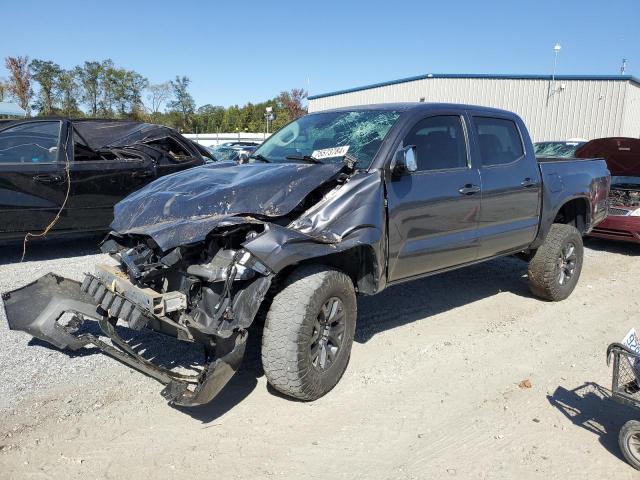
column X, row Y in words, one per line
column 184, row 207
column 621, row 154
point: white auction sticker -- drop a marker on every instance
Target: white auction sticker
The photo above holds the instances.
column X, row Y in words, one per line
column 330, row 152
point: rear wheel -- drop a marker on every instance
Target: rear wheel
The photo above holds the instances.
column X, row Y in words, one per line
column 555, row 268
column 309, row 331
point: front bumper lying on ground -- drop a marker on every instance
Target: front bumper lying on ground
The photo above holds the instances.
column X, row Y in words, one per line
column 38, row 307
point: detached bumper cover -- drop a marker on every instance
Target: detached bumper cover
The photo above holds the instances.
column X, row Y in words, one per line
column 37, row 308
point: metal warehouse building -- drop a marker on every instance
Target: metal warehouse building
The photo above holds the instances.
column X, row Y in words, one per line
column 554, row 108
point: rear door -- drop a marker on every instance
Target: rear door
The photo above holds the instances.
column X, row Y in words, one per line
column 433, row 212
column 32, row 182
column 511, row 185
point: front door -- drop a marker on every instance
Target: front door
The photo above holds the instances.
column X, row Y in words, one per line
column 32, row 183
column 433, row 212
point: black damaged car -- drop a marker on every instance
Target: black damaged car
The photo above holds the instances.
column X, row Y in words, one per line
column 334, row 205
column 85, row 166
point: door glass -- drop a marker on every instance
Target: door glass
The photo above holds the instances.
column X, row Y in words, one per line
column 440, row 143
column 499, row 140
column 35, row 142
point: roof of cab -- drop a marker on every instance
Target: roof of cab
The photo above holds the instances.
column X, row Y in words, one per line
column 415, row 106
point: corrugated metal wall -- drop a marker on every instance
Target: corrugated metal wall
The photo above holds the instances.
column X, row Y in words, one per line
column 578, row 108
column 631, row 117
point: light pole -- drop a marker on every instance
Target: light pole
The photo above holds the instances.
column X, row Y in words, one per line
column 556, row 48
column 552, row 86
column 268, row 116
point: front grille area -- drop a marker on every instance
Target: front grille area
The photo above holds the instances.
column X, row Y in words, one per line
column 618, row 212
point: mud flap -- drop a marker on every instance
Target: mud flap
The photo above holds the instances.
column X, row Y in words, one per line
column 37, row 307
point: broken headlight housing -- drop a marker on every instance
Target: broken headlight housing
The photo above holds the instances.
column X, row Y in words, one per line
column 238, row 264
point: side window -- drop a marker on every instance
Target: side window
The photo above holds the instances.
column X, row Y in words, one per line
column 440, row 143
column 499, row 140
column 33, row 142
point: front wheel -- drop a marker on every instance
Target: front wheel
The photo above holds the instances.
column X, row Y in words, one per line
column 629, row 440
column 555, row 268
column 309, row 331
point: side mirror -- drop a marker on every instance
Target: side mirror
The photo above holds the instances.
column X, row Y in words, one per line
column 405, row 161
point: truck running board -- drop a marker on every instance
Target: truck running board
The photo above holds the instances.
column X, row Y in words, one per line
column 37, row 308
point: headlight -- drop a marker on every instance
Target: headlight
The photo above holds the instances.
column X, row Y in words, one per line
column 635, row 213
column 249, row 261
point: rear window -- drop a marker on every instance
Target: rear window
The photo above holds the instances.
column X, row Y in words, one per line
column 499, row 140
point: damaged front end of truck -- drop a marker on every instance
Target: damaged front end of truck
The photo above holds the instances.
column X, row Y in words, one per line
column 196, row 254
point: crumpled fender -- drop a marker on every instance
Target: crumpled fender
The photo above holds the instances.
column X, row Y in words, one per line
column 351, row 215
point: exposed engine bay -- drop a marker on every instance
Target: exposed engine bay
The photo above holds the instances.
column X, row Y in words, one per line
column 211, row 288
column 624, row 198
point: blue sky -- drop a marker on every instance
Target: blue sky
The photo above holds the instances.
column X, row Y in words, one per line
column 235, row 52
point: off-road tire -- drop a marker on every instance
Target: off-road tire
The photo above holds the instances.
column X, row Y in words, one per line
column 545, row 266
column 629, row 434
column 290, row 326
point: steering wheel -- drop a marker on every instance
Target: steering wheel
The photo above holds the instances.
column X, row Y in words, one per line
column 293, row 130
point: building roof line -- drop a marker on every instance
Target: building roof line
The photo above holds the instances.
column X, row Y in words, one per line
column 498, row 76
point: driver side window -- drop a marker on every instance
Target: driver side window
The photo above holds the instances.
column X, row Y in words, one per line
column 440, row 143
column 33, row 142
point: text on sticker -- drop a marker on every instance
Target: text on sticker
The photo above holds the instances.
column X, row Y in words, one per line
column 330, row 152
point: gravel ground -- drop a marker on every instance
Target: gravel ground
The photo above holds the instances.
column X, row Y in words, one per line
column 432, row 389
column 27, row 369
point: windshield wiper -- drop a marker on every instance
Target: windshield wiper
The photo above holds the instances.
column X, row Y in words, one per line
column 304, row 158
column 260, row 157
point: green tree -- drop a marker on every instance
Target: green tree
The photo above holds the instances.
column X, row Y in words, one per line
column 89, row 76
column 108, row 85
column 69, row 91
column 182, row 101
column 136, row 85
column 46, row 73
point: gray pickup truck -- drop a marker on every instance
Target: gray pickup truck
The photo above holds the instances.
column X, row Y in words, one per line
column 335, row 204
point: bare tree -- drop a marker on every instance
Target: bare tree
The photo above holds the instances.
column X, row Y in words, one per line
column 158, row 95
column 20, row 80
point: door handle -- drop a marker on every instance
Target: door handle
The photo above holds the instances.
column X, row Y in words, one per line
column 469, row 189
column 47, row 178
column 142, row 174
column 527, row 182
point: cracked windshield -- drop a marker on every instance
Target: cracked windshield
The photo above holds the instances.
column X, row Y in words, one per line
column 328, row 137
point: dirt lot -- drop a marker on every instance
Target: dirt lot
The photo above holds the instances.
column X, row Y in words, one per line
column 431, row 391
